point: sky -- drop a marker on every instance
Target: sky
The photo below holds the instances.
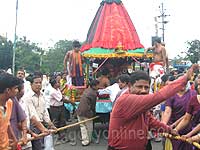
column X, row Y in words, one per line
column 47, row 21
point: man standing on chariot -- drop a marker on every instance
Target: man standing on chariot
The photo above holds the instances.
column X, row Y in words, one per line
column 160, row 60
column 73, row 64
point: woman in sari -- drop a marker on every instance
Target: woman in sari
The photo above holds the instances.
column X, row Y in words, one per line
column 174, row 111
column 192, row 114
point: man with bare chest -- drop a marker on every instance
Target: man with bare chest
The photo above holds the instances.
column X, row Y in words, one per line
column 73, row 64
column 159, row 54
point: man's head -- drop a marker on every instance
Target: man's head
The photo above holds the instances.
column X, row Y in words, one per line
column 76, row 45
column 183, row 89
column 94, row 84
column 36, row 82
column 123, row 80
column 139, row 83
column 197, row 84
column 64, row 75
column 164, row 79
column 105, row 72
column 157, row 41
column 20, row 89
column 59, row 77
column 55, row 82
column 8, row 85
column 21, row 74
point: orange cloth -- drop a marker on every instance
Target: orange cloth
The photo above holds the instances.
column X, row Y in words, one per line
column 74, row 59
column 4, row 122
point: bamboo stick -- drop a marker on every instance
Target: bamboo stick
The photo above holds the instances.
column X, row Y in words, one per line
column 75, row 124
column 59, row 129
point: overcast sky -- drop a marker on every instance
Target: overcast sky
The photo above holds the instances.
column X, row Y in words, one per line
column 47, row 21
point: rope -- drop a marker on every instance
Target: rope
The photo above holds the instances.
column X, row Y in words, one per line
column 100, row 66
column 167, row 135
column 59, row 129
column 139, row 62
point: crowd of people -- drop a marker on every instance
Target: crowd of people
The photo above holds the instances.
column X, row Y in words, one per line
column 25, row 111
column 34, row 105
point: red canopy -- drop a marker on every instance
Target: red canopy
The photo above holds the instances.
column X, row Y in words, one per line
column 112, row 27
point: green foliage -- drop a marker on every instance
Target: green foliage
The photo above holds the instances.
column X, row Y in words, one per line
column 193, row 52
column 53, row 60
column 31, row 57
column 5, row 53
column 27, row 55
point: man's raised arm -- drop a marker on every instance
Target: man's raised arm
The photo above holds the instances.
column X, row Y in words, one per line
column 141, row 103
column 149, row 48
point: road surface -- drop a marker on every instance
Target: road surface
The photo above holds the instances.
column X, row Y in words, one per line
column 101, row 131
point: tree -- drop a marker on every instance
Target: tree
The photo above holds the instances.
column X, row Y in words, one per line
column 33, row 58
column 6, row 52
column 53, row 60
column 27, row 55
column 193, row 52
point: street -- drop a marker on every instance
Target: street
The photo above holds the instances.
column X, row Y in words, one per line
column 99, row 144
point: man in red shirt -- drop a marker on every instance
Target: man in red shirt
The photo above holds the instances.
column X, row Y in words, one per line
column 130, row 118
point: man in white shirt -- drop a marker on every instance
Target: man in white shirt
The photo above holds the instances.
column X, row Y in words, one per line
column 21, row 75
column 39, row 114
column 113, row 90
column 46, row 93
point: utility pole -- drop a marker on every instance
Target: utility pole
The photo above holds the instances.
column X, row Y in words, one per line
column 15, row 39
column 163, row 21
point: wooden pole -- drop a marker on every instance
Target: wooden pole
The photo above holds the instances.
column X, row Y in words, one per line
column 59, row 129
column 75, row 124
column 100, row 66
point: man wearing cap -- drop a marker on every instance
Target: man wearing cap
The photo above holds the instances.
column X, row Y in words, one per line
column 73, row 64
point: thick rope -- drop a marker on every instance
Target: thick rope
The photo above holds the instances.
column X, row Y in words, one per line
column 167, row 135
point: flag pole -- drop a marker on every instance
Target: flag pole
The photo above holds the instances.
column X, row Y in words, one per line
column 15, row 39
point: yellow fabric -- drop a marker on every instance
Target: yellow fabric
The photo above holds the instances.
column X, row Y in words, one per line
column 115, row 55
column 76, row 56
column 62, row 82
column 168, row 144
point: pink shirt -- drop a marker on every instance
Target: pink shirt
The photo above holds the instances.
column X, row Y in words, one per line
column 130, row 119
column 56, row 97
